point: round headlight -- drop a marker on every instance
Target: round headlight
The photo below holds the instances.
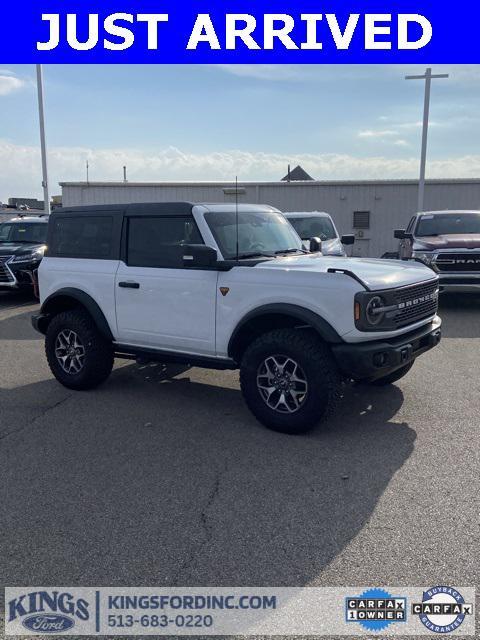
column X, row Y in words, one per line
column 372, row 311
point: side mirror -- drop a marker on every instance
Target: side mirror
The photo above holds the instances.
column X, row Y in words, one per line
column 198, row 256
column 348, row 238
column 401, row 234
column 315, row 245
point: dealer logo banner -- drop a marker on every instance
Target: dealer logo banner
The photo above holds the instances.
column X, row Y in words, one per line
column 247, row 611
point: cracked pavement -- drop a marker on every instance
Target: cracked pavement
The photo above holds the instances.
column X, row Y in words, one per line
column 171, row 482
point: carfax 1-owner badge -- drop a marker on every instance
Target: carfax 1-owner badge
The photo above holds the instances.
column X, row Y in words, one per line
column 376, row 609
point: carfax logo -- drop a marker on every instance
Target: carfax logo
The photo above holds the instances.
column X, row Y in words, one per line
column 47, row 611
column 442, row 610
column 376, row 609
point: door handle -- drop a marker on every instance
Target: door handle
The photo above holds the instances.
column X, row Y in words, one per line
column 129, row 285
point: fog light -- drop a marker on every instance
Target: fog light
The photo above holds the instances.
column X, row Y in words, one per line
column 380, row 359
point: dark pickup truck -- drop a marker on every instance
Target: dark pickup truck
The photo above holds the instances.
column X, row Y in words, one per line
column 449, row 243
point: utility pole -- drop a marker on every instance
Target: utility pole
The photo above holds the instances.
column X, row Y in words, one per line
column 43, row 144
column 428, row 77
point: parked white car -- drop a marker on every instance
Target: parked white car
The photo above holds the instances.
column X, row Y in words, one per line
column 319, row 224
column 225, row 288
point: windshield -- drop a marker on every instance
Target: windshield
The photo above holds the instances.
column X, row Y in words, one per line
column 259, row 233
column 313, row 227
column 28, row 232
column 446, row 223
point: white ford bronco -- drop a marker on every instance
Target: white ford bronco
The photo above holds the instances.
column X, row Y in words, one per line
column 228, row 287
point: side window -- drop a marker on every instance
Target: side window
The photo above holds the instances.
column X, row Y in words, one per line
column 4, row 232
column 158, row 241
column 411, row 224
column 82, row 237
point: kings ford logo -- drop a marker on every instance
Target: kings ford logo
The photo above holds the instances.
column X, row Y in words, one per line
column 48, row 623
column 46, row 612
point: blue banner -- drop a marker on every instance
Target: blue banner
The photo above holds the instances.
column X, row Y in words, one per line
column 267, row 31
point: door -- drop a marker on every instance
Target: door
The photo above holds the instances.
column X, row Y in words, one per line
column 160, row 303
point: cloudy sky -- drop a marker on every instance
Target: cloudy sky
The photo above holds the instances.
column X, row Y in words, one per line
column 215, row 122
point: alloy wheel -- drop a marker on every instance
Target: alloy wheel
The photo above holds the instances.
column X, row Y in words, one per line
column 70, row 352
column 282, row 384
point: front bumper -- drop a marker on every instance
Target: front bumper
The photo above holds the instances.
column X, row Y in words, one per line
column 18, row 276
column 380, row 357
column 40, row 322
column 463, row 283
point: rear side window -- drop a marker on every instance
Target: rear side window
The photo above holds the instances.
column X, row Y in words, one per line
column 82, row 237
column 158, row 241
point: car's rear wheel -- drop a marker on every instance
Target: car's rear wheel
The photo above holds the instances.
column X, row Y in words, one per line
column 78, row 355
column 394, row 376
column 289, row 380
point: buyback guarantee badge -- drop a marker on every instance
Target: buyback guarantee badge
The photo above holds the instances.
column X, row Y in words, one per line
column 442, row 610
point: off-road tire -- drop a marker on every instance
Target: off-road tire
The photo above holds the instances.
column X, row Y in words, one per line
column 321, row 374
column 98, row 359
column 394, row 376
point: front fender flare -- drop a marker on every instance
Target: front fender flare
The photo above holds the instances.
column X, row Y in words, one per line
column 304, row 316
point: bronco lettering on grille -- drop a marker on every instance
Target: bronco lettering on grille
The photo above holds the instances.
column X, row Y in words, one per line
column 419, row 300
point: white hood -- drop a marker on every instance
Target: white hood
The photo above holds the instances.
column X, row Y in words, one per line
column 375, row 273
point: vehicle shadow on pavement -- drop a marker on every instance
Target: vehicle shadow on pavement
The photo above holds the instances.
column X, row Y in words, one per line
column 15, row 299
column 460, row 314
column 18, row 327
column 173, row 483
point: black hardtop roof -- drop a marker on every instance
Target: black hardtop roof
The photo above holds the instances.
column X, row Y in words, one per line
column 159, row 208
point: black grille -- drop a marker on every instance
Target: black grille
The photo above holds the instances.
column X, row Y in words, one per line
column 458, row 262
column 5, row 275
column 416, row 302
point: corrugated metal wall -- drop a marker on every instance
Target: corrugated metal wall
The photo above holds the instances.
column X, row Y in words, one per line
column 390, row 204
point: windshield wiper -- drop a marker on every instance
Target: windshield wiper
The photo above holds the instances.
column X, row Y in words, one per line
column 254, row 254
column 293, row 250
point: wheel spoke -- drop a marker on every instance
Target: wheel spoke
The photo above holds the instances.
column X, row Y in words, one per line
column 268, row 390
column 270, row 367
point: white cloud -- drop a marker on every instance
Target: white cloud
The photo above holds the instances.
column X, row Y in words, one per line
column 9, row 82
column 21, row 168
column 374, row 133
column 275, row 72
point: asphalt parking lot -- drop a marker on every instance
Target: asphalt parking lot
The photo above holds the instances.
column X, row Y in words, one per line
column 155, row 481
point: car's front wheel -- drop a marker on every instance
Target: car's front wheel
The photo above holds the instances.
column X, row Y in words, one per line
column 78, row 355
column 289, row 380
